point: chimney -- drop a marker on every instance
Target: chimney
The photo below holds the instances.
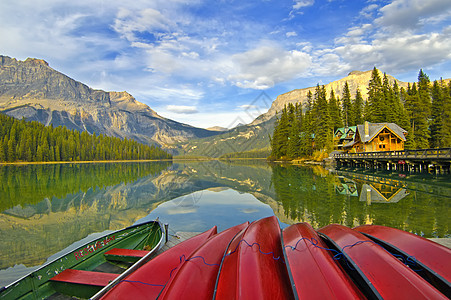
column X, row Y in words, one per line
column 367, row 129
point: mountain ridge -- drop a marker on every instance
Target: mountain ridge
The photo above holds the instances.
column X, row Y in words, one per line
column 32, row 89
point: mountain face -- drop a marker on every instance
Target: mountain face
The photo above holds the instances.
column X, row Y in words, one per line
column 33, row 90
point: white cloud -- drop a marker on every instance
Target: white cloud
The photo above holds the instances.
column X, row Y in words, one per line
column 182, row 109
column 298, row 4
column 397, row 53
column 394, row 42
column 267, row 65
column 129, row 23
column 410, row 14
column 291, row 34
column 368, row 11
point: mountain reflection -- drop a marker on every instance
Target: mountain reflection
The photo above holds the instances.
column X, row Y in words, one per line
column 45, row 208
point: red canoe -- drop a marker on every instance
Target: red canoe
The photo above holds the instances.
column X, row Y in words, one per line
column 431, row 254
column 253, row 266
column 148, row 281
column 386, row 276
column 433, row 258
column 315, row 274
column 196, row 278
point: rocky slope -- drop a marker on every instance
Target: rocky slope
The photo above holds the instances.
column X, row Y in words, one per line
column 355, row 79
column 33, row 90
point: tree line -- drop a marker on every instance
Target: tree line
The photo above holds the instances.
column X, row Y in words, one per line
column 21, row 140
column 423, row 109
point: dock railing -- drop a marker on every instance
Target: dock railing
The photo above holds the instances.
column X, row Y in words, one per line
column 433, row 154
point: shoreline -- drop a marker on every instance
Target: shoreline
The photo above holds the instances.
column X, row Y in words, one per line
column 79, row 162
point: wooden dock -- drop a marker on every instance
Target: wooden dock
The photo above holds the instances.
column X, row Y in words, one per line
column 423, row 160
column 175, row 239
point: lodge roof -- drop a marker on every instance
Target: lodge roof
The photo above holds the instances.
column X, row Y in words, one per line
column 374, row 129
column 344, row 130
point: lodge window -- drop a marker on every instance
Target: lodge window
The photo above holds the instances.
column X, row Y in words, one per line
column 382, row 146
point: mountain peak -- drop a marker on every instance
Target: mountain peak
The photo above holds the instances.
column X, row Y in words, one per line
column 356, row 73
column 36, row 62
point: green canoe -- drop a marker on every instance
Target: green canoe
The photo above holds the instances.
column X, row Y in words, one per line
column 92, row 267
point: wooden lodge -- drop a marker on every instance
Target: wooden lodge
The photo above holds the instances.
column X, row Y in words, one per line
column 343, row 136
column 372, row 137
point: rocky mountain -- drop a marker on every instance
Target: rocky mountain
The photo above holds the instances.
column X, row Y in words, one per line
column 32, row 89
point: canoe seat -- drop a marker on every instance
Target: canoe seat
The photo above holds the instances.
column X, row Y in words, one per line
column 85, row 277
column 127, row 255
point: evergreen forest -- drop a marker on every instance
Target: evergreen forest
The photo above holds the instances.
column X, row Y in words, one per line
column 25, row 141
column 423, row 109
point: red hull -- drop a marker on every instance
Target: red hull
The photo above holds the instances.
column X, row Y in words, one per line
column 196, row 278
column 253, row 267
column 433, row 255
column 148, row 281
column 386, row 275
column 315, row 274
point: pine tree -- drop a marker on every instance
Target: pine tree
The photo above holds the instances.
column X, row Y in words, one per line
column 321, row 120
column 2, row 151
column 401, row 113
column 307, row 127
column 348, row 117
column 422, row 103
column 376, row 101
column 357, row 109
column 390, row 109
column 334, row 111
column 437, row 113
column 445, row 130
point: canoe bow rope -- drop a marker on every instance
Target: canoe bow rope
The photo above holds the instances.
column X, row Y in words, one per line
column 409, row 261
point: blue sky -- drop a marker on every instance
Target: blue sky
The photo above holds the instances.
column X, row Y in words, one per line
column 207, row 63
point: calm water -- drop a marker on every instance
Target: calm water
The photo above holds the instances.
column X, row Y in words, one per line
column 48, row 209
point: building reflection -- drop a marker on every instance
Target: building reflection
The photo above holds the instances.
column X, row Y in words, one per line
column 346, row 186
column 381, row 193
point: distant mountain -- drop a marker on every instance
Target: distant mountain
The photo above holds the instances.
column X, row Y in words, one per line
column 217, row 128
column 255, row 136
column 33, row 90
column 239, row 139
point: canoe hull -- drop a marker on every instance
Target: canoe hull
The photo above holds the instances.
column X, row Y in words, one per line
column 432, row 260
column 37, row 285
column 253, row 267
column 385, row 275
column 149, row 280
column 196, row 278
column 315, row 274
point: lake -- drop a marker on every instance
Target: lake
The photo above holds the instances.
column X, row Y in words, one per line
column 47, row 210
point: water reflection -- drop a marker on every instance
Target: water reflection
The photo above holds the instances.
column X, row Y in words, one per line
column 201, row 210
column 416, row 203
column 46, row 208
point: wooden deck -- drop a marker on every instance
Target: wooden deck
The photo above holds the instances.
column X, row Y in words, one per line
column 175, row 239
column 422, row 160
